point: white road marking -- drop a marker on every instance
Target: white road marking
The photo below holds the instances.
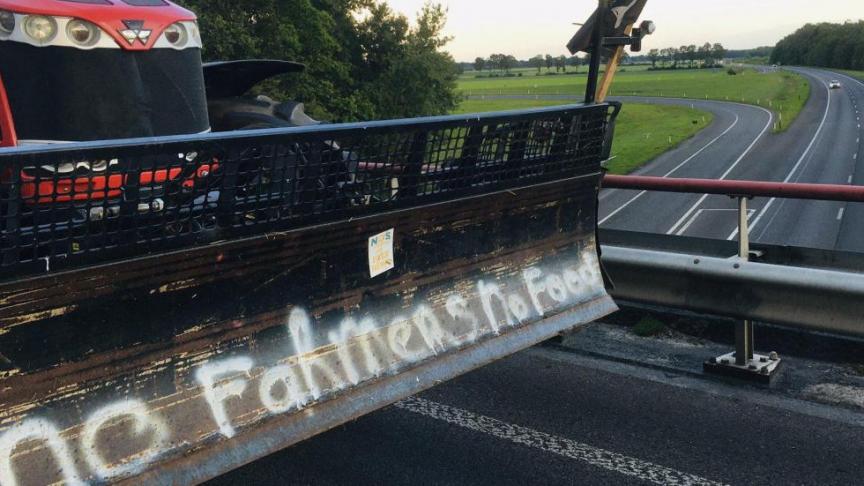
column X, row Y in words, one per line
column 840, row 214
column 794, row 169
column 750, row 213
column 601, row 458
column 725, row 174
column 682, row 164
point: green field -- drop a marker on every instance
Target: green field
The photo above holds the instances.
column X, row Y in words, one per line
column 532, row 72
column 643, row 132
column 782, row 92
column 854, row 74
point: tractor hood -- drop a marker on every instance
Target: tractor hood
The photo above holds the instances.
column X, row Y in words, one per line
column 128, row 24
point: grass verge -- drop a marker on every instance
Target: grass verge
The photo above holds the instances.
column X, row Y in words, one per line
column 649, row 327
column 859, row 75
column 782, row 92
column 643, row 132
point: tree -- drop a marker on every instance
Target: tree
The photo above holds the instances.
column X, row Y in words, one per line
column 496, row 61
column 691, row 54
column 704, row 53
column 654, row 56
column 718, row 52
column 536, row 62
column 673, row 56
column 550, row 61
column 359, row 67
column 561, row 64
column 508, row 62
column 838, row 46
column 479, row 64
column 421, row 79
column 665, row 54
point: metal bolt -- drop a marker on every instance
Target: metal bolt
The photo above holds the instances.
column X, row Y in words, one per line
column 143, row 208
column 157, row 205
column 204, row 173
column 697, row 261
column 737, row 266
column 763, row 359
column 765, row 371
column 725, row 361
column 753, row 367
column 774, row 356
column 97, row 214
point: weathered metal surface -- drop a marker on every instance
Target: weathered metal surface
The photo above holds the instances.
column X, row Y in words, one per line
column 182, row 364
column 824, row 300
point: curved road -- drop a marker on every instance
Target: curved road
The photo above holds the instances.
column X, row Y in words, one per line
column 822, row 146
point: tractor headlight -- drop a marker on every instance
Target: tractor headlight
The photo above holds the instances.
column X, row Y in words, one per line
column 40, row 28
column 180, row 35
column 83, row 33
column 7, row 22
column 177, row 35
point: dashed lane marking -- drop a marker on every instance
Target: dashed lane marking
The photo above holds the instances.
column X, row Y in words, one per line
column 689, row 213
column 611, row 461
column 677, row 167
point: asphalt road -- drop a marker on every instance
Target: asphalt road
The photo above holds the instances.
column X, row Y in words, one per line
column 562, row 416
column 822, row 146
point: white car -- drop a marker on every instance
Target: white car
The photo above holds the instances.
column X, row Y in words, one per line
column 834, row 84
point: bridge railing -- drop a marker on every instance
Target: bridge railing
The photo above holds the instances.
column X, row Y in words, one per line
column 814, row 298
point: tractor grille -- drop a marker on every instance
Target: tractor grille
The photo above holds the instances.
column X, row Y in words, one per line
column 82, row 204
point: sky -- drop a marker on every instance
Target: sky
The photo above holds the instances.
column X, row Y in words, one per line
column 527, row 28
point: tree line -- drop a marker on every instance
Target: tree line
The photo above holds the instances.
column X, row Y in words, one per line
column 838, row 46
column 364, row 61
column 673, row 57
column 505, row 63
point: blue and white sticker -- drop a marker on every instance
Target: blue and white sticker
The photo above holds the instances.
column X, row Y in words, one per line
column 381, row 259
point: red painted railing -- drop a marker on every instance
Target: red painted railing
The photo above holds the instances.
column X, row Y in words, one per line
column 820, row 192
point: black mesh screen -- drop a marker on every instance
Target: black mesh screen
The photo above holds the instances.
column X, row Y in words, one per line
column 67, row 94
column 67, row 206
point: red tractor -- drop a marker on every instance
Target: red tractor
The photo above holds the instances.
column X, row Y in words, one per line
column 88, row 70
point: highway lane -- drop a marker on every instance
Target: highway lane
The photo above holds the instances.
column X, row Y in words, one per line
column 729, row 142
column 834, row 159
column 822, row 146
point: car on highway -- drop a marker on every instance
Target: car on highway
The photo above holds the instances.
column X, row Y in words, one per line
column 834, row 84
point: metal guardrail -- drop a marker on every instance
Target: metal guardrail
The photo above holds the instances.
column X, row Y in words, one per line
column 817, row 299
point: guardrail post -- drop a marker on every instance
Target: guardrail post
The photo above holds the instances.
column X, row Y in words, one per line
column 743, row 330
column 744, row 362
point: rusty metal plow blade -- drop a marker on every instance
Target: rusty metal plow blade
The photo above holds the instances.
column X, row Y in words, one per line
column 289, row 292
